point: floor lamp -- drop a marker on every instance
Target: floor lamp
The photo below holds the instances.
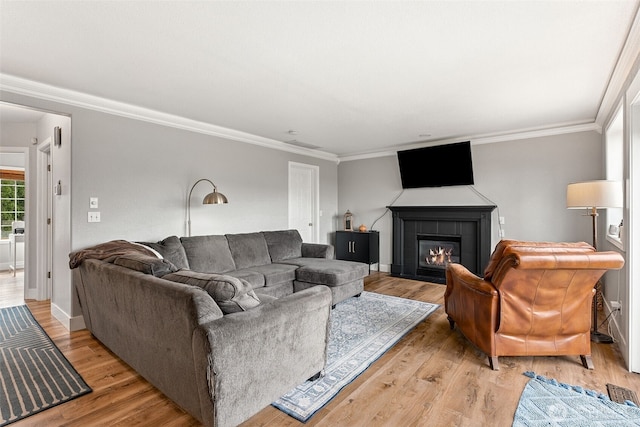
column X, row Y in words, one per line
column 210, row 199
column 593, row 195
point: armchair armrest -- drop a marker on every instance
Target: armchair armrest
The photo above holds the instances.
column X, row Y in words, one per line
column 463, row 277
column 472, row 303
column 256, row 356
column 317, row 250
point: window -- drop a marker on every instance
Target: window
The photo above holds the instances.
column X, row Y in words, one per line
column 11, row 201
column 614, row 165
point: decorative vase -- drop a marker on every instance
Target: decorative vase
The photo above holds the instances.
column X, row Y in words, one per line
column 362, row 228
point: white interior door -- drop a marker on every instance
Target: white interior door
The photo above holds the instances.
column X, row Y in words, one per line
column 304, row 214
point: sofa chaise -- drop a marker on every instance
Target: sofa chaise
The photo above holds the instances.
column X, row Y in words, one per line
column 222, row 325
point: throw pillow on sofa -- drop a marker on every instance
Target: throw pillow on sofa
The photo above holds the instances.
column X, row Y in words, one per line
column 171, row 249
column 231, row 294
column 146, row 264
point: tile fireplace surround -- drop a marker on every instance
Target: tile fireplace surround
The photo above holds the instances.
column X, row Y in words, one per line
column 470, row 224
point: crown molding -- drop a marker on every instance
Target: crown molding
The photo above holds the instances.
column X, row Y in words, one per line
column 39, row 90
column 483, row 139
column 624, row 66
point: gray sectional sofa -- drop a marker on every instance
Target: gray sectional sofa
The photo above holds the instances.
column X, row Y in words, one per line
column 223, row 325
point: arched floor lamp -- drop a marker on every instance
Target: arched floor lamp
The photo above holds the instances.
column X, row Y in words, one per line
column 593, row 195
column 214, row 198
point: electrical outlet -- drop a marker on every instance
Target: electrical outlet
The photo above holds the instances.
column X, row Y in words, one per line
column 616, row 307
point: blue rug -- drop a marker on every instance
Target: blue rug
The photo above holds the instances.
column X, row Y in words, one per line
column 546, row 402
column 34, row 374
column 361, row 330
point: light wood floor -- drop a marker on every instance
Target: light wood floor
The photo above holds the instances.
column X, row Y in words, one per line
column 11, row 288
column 432, row 377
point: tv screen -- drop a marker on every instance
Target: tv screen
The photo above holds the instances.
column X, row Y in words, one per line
column 439, row 166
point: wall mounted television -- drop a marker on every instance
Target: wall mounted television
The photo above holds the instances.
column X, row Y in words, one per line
column 437, row 166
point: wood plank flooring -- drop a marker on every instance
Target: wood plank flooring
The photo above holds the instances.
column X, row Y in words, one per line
column 432, row 377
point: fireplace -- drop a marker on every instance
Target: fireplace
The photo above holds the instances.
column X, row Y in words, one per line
column 427, row 238
column 435, row 252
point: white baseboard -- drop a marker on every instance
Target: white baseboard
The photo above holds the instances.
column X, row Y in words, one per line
column 71, row 323
column 384, row 268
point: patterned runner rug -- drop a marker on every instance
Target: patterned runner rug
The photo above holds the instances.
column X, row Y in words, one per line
column 361, row 330
column 547, row 402
column 34, row 375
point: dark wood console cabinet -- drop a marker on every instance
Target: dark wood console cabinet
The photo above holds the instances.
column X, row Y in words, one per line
column 358, row 246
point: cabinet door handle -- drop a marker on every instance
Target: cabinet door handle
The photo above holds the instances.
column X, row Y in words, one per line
column 354, row 247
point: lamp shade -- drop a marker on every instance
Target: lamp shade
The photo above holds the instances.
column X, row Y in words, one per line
column 214, row 198
column 594, row 194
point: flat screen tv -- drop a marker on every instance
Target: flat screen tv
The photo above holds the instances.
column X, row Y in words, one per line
column 438, row 166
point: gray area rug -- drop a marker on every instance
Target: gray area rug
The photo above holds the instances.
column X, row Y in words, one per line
column 361, row 330
column 34, row 374
column 547, row 402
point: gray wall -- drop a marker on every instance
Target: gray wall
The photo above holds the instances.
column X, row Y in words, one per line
column 141, row 173
column 527, row 179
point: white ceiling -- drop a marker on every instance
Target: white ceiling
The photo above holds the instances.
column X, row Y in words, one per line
column 347, row 76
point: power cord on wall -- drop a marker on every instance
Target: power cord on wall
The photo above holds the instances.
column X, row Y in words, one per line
column 386, row 210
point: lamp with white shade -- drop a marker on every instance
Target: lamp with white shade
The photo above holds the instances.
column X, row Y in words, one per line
column 593, row 195
column 213, row 198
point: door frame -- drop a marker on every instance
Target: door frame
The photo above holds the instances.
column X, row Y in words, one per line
column 44, row 238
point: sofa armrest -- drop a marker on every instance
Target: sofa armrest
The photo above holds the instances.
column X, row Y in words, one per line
column 256, row 356
column 317, row 250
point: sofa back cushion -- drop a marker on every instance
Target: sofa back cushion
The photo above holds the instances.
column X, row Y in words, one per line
column 248, row 250
column 208, row 254
column 171, row 249
column 283, row 244
column 231, row 294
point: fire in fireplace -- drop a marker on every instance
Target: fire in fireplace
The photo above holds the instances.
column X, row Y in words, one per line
column 435, row 252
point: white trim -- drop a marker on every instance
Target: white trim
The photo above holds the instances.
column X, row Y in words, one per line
column 43, row 244
column 628, row 56
column 35, row 89
column 484, row 139
column 70, row 323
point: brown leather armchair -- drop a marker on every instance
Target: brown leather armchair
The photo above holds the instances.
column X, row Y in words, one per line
column 534, row 300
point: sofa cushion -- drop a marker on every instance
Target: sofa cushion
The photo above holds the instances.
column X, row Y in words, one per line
column 171, row 249
column 208, row 254
column 146, row 264
column 255, row 279
column 328, row 272
column 248, row 250
column 274, row 274
column 231, row 294
column 283, row 244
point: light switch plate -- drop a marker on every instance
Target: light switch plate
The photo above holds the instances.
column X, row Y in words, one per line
column 93, row 203
column 93, row 216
